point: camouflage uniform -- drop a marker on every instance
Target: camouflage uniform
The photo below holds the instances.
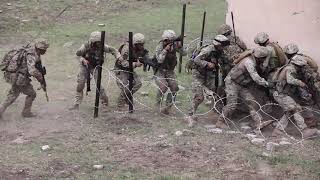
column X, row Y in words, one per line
column 165, row 75
column 20, row 78
column 238, row 81
column 232, row 51
column 201, row 75
column 285, row 90
column 122, row 68
column 83, row 52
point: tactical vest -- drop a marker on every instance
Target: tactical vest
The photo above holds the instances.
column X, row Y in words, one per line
column 13, row 59
column 135, row 56
column 170, row 60
column 239, row 73
column 282, row 86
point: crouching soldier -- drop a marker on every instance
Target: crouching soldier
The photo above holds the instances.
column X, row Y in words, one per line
column 205, row 73
column 19, row 66
column 166, row 55
column 140, row 54
column 290, row 86
column 88, row 55
column 238, row 81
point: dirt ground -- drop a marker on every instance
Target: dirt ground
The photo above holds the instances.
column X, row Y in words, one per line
column 144, row 145
column 286, row 21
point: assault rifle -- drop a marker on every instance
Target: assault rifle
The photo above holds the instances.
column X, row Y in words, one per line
column 43, row 72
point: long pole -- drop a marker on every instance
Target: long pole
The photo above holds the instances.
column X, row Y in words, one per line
column 234, row 30
column 182, row 33
column 99, row 68
column 130, row 72
column 203, row 27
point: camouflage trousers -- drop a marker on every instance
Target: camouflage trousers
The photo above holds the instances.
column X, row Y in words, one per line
column 235, row 92
column 290, row 108
column 24, row 87
column 123, row 84
column 199, row 81
column 166, row 79
column 81, row 82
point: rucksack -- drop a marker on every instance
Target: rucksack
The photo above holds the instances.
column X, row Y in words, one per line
column 243, row 55
column 13, row 59
column 280, row 54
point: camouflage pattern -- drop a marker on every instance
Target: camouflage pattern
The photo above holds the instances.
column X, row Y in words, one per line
column 261, row 38
column 121, row 72
column 291, row 49
column 41, row 43
column 83, row 70
column 224, row 29
column 286, row 89
column 238, row 82
column 203, row 77
column 169, row 35
column 165, row 75
column 21, row 83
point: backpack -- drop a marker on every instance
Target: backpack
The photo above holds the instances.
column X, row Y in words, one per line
column 280, row 54
column 13, row 59
column 311, row 62
column 243, row 55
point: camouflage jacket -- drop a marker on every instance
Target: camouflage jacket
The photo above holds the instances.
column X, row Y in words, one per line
column 245, row 73
column 124, row 50
column 91, row 54
column 234, row 49
column 291, row 81
column 168, row 59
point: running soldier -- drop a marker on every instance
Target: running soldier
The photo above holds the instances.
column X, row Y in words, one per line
column 19, row 66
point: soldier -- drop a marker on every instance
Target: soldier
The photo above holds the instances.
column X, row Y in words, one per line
column 140, row 54
column 238, row 81
column 167, row 60
column 89, row 55
column 236, row 46
column 20, row 68
column 287, row 87
column 204, row 73
column 276, row 57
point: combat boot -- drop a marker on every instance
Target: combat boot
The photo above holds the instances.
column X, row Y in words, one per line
column 1, row 110
column 74, row 107
column 220, row 124
column 309, row 133
column 28, row 114
column 166, row 110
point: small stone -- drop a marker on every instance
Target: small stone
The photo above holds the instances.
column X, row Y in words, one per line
column 232, row 132
column 210, row 126
column 245, row 128
column 1, row 11
column 257, row 141
column 284, row 143
column 45, row 147
column 213, row 149
column 90, row 20
column 181, row 88
column 179, row 133
column 101, row 25
column 270, row 146
column 68, row 44
column 9, row 4
column 19, row 140
column 251, row 136
column 265, row 154
column 25, row 20
column 143, row 93
column 215, row 131
column 208, row 103
column 98, row 167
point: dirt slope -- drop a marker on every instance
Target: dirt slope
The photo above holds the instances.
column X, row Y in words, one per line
column 286, row 21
